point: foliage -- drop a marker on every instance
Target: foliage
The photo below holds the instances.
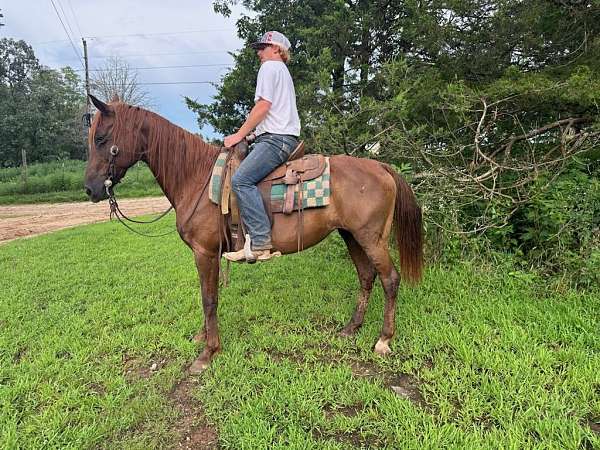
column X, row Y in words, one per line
column 484, row 357
column 40, row 109
column 63, row 181
column 559, row 230
column 488, row 101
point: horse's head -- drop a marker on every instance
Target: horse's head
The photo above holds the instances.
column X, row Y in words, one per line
column 111, row 140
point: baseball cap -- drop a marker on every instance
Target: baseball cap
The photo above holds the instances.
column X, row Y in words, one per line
column 274, row 38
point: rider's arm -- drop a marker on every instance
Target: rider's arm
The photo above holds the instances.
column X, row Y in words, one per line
column 256, row 116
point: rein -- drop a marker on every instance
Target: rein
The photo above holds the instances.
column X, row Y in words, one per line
column 115, row 211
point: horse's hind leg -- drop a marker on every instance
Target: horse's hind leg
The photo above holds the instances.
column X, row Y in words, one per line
column 380, row 257
column 366, row 276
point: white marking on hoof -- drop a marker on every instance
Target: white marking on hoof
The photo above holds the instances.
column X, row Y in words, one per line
column 198, row 367
column 382, row 348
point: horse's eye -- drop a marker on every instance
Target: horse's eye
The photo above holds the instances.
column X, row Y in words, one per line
column 99, row 139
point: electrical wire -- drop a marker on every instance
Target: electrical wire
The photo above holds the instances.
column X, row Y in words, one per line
column 66, row 18
column 164, row 67
column 75, row 17
column 110, row 36
column 180, row 82
column 202, row 52
column 67, row 33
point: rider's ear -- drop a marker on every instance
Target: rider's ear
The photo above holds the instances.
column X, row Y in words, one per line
column 101, row 106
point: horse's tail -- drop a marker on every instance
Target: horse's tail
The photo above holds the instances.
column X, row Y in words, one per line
column 408, row 228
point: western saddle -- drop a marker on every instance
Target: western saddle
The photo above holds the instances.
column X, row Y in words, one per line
column 298, row 169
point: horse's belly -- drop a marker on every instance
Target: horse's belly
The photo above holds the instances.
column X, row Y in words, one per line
column 316, row 225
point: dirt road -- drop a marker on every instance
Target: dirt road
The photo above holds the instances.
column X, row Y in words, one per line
column 17, row 221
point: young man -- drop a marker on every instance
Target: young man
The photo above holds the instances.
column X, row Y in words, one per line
column 277, row 124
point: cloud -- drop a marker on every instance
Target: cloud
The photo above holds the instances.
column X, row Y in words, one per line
column 148, row 33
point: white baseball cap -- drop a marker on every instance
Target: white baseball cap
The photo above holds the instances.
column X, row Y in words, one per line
column 272, row 38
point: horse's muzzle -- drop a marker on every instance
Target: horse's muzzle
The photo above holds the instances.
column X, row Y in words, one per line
column 95, row 190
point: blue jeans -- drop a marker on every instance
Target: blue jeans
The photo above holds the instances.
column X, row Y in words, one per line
column 268, row 152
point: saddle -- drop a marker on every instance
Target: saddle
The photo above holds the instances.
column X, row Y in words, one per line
column 298, row 169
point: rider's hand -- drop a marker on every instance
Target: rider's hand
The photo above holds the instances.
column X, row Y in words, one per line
column 233, row 139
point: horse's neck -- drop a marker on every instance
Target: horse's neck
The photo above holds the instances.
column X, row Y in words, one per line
column 180, row 161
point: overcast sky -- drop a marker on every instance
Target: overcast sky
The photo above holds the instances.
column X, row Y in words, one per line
column 145, row 33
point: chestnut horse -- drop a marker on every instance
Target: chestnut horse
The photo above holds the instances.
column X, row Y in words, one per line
column 367, row 199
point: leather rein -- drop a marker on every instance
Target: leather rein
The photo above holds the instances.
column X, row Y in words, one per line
column 115, row 211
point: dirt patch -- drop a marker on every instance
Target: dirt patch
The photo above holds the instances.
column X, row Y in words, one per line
column 346, row 410
column 193, row 429
column 20, row 221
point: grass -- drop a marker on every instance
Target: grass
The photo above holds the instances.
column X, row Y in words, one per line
column 482, row 359
column 62, row 181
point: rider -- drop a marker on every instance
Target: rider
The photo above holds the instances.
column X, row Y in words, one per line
column 275, row 117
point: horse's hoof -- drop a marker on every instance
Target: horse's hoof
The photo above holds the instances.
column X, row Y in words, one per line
column 200, row 337
column 382, row 348
column 198, row 366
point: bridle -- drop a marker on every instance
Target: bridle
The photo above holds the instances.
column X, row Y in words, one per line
column 115, row 211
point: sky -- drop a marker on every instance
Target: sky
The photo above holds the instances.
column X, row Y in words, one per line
column 150, row 35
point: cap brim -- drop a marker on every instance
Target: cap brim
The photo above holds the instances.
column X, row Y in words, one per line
column 256, row 45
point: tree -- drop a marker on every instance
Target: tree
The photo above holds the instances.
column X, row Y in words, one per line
column 117, row 78
column 488, row 105
column 40, row 109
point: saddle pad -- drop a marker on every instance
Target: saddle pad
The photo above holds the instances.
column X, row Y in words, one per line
column 216, row 178
column 315, row 192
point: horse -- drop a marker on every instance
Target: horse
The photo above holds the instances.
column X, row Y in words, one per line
column 369, row 200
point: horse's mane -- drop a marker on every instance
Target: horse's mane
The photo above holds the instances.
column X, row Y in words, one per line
column 174, row 153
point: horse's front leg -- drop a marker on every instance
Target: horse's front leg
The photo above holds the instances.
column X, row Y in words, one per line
column 208, row 273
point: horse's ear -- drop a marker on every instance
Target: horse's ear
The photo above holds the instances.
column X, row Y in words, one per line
column 115, row 98
column 101, row 106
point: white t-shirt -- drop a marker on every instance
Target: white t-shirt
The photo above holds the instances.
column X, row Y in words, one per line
column 275, row 84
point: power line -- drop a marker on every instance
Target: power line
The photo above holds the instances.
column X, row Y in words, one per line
column 162, row 54
column 110, row 36
column 67, row 33
column 180, row 82
column 165, row 67
column 74, row 17
column 65, row 16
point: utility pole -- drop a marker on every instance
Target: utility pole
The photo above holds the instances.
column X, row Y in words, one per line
column 87, row 81
column 87, row 117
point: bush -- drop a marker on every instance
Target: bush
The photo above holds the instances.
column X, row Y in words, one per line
column 559, row 229
column 67, row 176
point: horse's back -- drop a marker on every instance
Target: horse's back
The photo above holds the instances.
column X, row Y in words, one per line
column 362, row 197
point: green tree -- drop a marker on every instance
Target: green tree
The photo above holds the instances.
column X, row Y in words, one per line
column 40, row 109
column 487, row 104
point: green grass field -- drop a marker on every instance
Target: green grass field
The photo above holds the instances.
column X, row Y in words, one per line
column 95, row 338
column 62, row 181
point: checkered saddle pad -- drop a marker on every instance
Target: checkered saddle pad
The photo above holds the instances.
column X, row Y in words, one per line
column 314, row 189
